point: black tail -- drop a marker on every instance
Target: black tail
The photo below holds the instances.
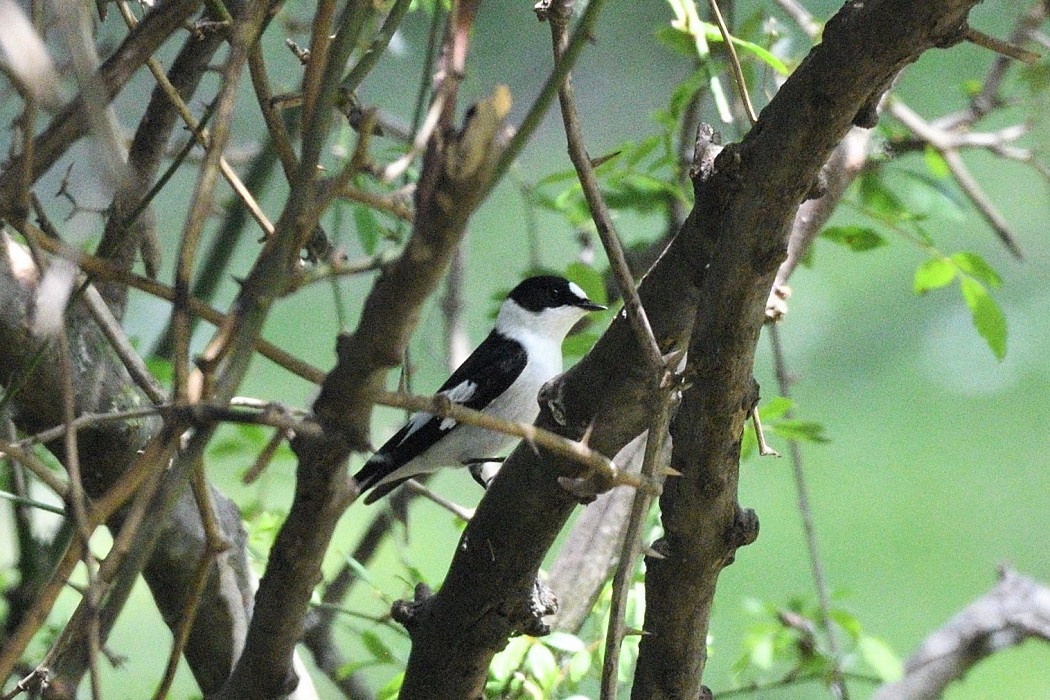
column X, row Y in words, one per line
column 380, row 491
column 371, row 474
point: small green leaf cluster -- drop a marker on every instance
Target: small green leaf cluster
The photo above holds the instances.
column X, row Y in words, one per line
column 788, row 642
column 973, row 273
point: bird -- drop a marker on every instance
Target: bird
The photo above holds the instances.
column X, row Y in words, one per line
column 502, row 378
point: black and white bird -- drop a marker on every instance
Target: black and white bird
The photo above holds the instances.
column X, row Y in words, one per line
column 502, row 377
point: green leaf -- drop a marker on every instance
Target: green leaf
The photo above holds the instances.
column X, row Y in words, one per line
column 988, row 318
column 934, row 274
column 580, row 665
column 160, row 368
column 776, row 407
column 935, row 163
column 761, row 655
column 801, row 430
column 846, row 621
column 713, row 34
column 882, row 659
column 541, row 664
column 880, row 200
column 377, row 647
column 505, row 663
column 675, row 40
column 563, row 641
column 392, row 688
column 972, row 87
column 976, row 266
column 368, row 230
column 856, row 238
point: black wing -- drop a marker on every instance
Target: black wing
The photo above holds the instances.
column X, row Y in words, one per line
column 491, row 368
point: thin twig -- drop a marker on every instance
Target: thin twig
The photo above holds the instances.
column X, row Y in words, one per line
column 944, row 144
column 464, row 514
column 801, row 16
column 84, row 420
column 397, row 168
column 989, row 98
column 15, row 643
column 32, row 503
column 30, row 461
column 440, row 406
column 30, row 684
column 320, row 38
column 820, row 581
column 580, row 36
column 114, row 333
column 632, row 545
column 275, row 126
column 109, row 271
column 203, row 197
column 214, row 544
column 389, row 204
column 558, row 17
column 734, row 60
column 109, row 325
column 377, row 47
column 1000, row 47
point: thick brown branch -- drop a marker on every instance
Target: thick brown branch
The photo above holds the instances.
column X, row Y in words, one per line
column 455, row 169
column 748, row 204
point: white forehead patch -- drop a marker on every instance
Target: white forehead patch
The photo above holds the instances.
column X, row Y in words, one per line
column 575, row 289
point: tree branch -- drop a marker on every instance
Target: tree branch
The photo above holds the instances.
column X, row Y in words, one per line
column 747, row 205
column 1015, row 610
column 70, row 123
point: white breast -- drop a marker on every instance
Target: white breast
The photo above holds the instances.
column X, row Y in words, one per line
column 518, row 404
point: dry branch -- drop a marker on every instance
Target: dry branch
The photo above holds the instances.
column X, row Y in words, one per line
column 70, row 123
column 1015, row 610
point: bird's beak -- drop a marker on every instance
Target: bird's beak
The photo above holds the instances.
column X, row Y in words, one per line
column 591, row 306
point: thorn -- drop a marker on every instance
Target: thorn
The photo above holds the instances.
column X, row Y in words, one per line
column 673, row 358
column 635, row 632
column 597, row 162
column 669, row 471
column 655, row 554
column 586, row 437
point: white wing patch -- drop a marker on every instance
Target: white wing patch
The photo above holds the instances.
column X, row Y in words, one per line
column 417, row 421
column 461, row 393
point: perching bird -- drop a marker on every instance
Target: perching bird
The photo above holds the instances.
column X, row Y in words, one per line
column 502, row 377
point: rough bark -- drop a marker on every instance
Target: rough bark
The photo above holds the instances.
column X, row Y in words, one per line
column 488, row 593
column 106, row 451
column 737, row 236
column 747, row 205
column 457, row 167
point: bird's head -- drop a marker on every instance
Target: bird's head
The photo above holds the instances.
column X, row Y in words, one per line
column 547, row 306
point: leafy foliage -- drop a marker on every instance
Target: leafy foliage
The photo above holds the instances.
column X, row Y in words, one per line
column 790, row 642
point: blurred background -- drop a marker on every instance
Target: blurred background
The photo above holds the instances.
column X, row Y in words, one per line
column 937, row 468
